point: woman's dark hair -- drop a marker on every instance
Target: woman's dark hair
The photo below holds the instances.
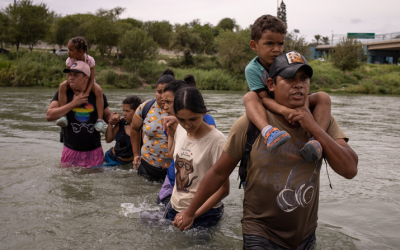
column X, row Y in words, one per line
column 189, row 79
column 166, row 77
column 175, row 86
column 132, row 101
column 189, row 98
column 80, row 43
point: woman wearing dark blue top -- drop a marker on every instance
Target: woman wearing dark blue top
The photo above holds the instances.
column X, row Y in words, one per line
column 119, row 129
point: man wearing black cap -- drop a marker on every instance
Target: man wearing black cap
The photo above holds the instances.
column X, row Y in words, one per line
column 280, row 205
column 82, row 146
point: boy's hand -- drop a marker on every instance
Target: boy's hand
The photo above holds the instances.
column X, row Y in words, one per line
column 183, row 221
column 80, row 99
column 286, row 112
column 303, row 116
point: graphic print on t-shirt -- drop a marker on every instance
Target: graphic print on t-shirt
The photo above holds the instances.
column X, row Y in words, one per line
column 82, row 113
column 299, row 188
column 183, row 167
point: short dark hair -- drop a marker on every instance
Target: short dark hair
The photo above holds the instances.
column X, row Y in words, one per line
column 267, row 22
column 133, row 101
column 189, row 98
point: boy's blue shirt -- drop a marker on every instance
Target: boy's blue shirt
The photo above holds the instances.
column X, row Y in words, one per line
column 254, row 71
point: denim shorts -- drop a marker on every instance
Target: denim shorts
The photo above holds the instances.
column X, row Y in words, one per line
column 255, row 242
column 208, row 219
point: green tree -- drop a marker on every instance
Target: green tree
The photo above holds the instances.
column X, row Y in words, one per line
column 132, row 21
column 348, row 55
column 206, row 35
column 234, row 50
column 325, row 40
column 4, row 26
column 185, row 40
column 28, row 23
column 227, row 24
column 317, row 38
column 138, row 46
column 103, row 31
column 161, row 32
column 298, row 43
column 282, row 12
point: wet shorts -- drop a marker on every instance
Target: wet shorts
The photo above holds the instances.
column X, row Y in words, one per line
column 152, row 173
column 254, row 242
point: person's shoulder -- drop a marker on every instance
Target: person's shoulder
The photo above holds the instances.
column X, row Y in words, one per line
column 241, row 124
column 252, row 66
column 334, row 130
column 218, row 135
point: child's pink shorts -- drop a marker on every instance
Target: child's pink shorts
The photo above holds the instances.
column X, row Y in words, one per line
column 85, row 159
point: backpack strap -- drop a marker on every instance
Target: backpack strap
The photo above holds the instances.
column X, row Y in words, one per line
column 147, row 108
column 252, row 133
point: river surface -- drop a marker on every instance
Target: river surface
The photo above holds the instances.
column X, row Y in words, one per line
column 44, row 206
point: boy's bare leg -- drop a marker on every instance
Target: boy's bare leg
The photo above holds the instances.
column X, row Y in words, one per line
column 255, row 111
column 257, row 114
column 321, row 102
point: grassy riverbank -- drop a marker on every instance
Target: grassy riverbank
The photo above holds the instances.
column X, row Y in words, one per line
column 40, row 68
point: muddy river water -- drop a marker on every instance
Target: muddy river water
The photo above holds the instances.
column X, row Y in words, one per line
column 44, row 206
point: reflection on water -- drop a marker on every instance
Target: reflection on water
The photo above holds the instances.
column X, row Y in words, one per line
column 44, row 206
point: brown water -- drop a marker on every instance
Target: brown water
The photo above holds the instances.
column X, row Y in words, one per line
column 43, row 206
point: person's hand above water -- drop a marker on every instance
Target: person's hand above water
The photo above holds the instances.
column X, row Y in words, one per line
column 303, row 116
column 114, row 119
column 169, row 123
column 136, row 161
column 80, row 99
column 183, row 220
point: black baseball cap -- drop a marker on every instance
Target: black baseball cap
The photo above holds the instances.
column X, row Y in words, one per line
column 287, row 65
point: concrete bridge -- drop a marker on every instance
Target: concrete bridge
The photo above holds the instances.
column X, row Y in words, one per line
column 379, row 51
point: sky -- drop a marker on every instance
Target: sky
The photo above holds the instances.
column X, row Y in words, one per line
column 311, row 17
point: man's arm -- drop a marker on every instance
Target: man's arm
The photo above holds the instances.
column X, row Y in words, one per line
column 210, row 184
column 341, row 157
column 54, row 111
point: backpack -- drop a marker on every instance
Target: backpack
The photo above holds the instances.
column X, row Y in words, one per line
column 252, row 133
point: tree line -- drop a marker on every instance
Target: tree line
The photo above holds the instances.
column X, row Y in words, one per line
column 27, row 23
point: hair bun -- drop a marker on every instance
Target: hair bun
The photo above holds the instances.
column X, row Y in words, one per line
column 168, row 72
column 189, row 79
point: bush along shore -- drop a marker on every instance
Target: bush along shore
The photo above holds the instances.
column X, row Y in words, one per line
column 41, row 68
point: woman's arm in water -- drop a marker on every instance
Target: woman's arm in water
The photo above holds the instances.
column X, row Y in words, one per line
column 54, row 111
column 135, row 140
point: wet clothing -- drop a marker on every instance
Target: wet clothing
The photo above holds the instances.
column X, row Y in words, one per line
column 155, row 144
column 208, row 219
column 70, row 157
column 282, row 189
column 168, row 185
column 193, row 158
column 254, row 242
column 150, row 172
column 80, row 134
column 123, row 146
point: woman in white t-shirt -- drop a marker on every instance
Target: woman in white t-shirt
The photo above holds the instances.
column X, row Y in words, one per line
column 195, row 147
